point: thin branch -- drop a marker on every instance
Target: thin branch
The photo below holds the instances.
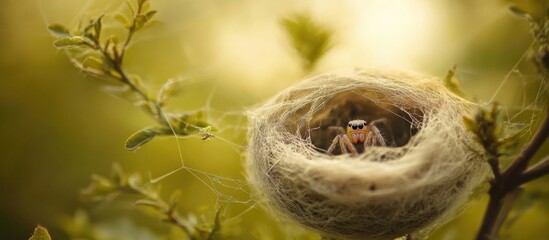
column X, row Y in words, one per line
column 536, row 171
column 131, row 31
column 494, row 165
column 507, row 205
column 169, row 211
column 510, row 180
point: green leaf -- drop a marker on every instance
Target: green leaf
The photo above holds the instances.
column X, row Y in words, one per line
column 170, row 88
column 520, row 13
column 94, row 63
column 216, row 228
column 40, row 233
column 150, row 14
column 140, row 21
column 122, row 19
column 134, row 181
column 146, row 6
column 99, row 189
column 130, row 7
column 76, row 41
column 148, row 107
column 470, row 124
column 139, row 138
column 189, row 123
column 452, row 83
column 149, row 203
column 141, row 2
column 97, row 28
column 310, row 40
column 117, row 175
column 59, row 31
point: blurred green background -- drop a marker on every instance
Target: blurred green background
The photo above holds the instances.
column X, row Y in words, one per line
column 58, row 127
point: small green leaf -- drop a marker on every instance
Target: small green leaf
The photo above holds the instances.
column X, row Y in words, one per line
column 141, row 2
column 150, row 14
column 174, row 199
column 452, row 83
column 149, row 203
column 40, row 233
column 216, row 228
column 470, row 124
column 94, row 63
column 309, row 39
column 140, row 21
column 520, row 13
column 134, row 181
column 139, row 138
column 148, row 107
column 122, row 19
column 99, row 189
column 188, row 123
column 170, row 88
column 59, row 31
column 76, row 41
column 146, row 6
column 118, row 176
column 97, row 28
column 130, row 7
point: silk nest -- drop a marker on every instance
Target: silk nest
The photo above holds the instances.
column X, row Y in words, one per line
column 420, row 180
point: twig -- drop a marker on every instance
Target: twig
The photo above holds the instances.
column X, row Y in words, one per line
column 536, row 171
column 510, row 181
column 169, row 211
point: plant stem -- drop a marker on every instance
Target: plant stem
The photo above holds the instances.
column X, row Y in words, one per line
column 537, row 171
column 117, row 59
column 171, row 215
column 504, row 184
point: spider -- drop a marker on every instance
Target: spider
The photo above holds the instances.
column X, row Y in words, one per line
column 358, row 131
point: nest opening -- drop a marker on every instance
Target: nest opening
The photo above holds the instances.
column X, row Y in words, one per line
column 397, row 125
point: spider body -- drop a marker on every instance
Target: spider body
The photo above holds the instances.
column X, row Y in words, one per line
column 357, row 131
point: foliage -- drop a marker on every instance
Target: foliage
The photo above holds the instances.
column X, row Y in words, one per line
column 452, row 83
column 40, row 233
column 490, row 131
column 540, row 30
column 310, row 40
column 487, row 126
column 105, row 189
column 103, row 58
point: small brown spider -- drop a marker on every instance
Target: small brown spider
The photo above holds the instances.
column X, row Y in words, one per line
column 358, row 131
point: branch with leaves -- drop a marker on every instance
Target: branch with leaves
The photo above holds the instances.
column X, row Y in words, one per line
column 104, row 57
column 104, row 189
column 489, row 130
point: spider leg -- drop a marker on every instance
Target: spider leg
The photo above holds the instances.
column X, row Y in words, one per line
column 332, row 146
column 385, row 122
column 378, row 138
column 342, row 144
column 337, row 139
column 334, row 128
column 369, row 138
column 345, row 141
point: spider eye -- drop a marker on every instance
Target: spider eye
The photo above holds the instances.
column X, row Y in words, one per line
column 360, row 126
column 354, row 126
column 350, row 124
column 365, row 123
